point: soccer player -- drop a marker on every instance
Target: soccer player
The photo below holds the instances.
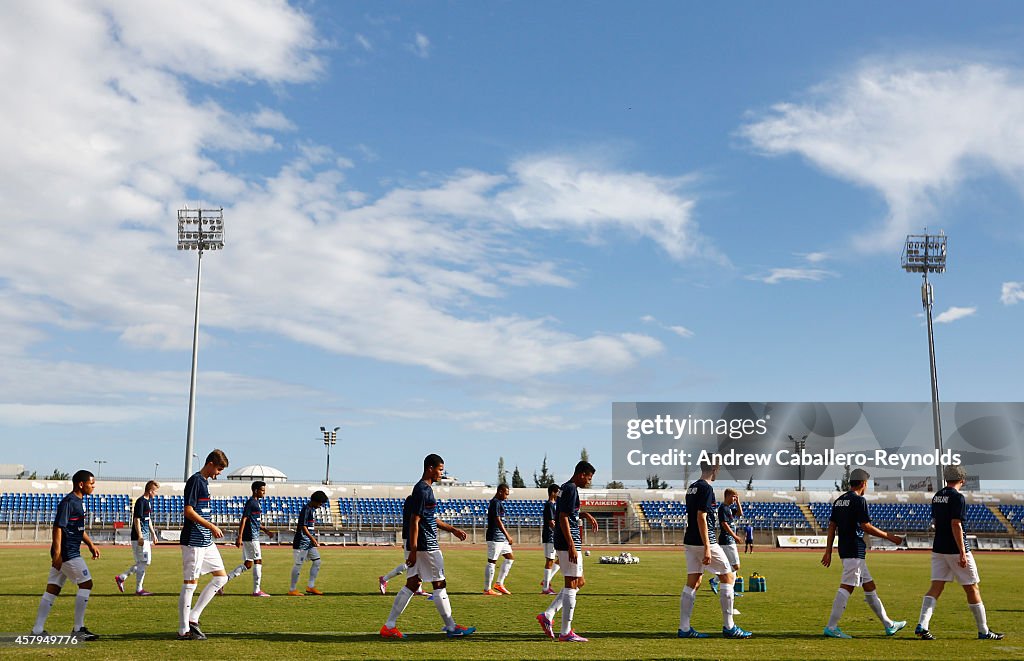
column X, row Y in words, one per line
column 66, row 556
column 248, row 539
column 498, row 543
column 727, row 537
column 547, row 536
column 703, row 553
column 424, row 560
column 305, row 545
column 850, row 519
column 199, row 555
column 951, row 556
column 382, row 581
column 143, row 534
column 568, row 542
column 748, row 531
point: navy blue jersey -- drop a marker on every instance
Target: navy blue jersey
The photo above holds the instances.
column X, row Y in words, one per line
column 495, row 511
column 725, row 515
column 749, row 530
column 197, row 496
column 547, row 533
column 307, row 518
column 142, row 511
column 849, row 511
column 405, row 520
column 948, row 504
column 568, row 503
column 71, row 521
column 700, row 497
column 423, row 504
column 252, row 513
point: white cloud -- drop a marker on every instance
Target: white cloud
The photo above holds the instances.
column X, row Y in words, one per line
column 913, row 134
column 106, row 133
column 1012, row 293
column 775, row 276
column 815, row 257
column 681, row 331
column 954, row 313
column 365, row 42
column 420, row 45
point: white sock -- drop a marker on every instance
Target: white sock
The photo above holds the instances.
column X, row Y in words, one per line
column 81, row 601
column 128, row 572
column 506, row 567
column 237, row 571
column 444, row 608
column 838, row 606
column 568, row 608
column 548, row 573
column 726, row 598
column 927, row 608
column 401, row 601
column 207, row 595
column 185, row 606
column 295, row 575
column 488, row 575
column 556, row 604
column 395, row 572
column 978, row 611
column 314, row 571
column 140, row 576
column 257, row 576
column 45, row 604
column 875, row 603
column 686, row 601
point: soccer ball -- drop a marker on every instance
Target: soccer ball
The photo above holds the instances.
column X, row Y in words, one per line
column 586, row 553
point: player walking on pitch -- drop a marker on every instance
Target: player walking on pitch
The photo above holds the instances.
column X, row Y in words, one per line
column 727, row 537
column 382, row 581
column 568, row 542
column 305, row 545
column 547, row 537
column 424, row 560
column 66, row 556
column 199, row 555
column 851, row 521
column 952, row 557
column 499, row 543
column 248, row 539
column 703, row 553
column 143, row 536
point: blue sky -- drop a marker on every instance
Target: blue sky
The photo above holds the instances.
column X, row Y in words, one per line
column 470, row 227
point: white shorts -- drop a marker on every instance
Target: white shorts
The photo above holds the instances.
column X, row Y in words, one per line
column 199, row 560
column 732, row 553
column 498, row 549
column 251, row 551
column 429, row 566
column 946, row 567
column 74, row 569
column 549, row 551
column 855, row 572
column 571, row 569
column 143, row 554
column 301, row 555
column 695, row 560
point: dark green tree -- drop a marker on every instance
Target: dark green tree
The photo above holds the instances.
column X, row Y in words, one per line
column 517, row 480
column 653, row 482
column 502, row 473
column 615, row 484
column 584, row 455
column 59, row 475
column 545, row 478
column 845, row 485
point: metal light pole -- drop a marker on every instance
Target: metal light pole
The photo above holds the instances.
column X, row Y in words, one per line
column 924, row 254
column 330, row 438
column 800, row 442
column 198, row 229
column 156, row 467
column 98, row 462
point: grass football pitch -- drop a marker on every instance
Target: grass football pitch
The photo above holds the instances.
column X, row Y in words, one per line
column 627, row 611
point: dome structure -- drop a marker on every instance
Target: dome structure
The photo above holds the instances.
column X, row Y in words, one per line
column 258, row 472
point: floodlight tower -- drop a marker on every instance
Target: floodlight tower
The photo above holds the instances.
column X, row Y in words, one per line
column 800, row 443
column 330, row 438
column 200, row 230
column 924, row 254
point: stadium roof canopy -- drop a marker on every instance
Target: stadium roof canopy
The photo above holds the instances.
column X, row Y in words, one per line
column 258, row 472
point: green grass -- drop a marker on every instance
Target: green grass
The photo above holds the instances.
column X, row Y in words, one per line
column 628, row 612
